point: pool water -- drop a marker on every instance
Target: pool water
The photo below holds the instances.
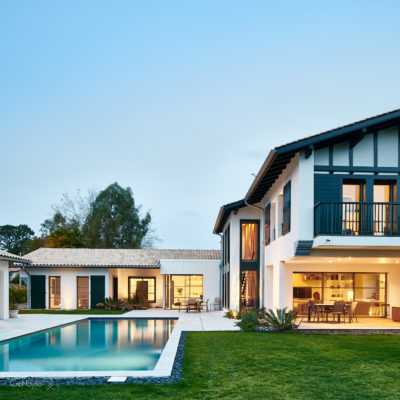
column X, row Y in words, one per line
column 97, row 344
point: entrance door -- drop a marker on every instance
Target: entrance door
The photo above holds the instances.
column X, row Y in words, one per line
column 142, row 289
column 38, row 291
column 97, row 290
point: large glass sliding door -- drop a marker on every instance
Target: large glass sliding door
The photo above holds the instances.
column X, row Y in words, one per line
column 179, row 288
column 368, row 289
column 352, row 195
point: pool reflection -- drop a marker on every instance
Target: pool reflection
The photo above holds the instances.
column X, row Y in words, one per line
column 102, row 344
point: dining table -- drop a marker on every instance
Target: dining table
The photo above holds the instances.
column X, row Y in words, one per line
column 324, row 307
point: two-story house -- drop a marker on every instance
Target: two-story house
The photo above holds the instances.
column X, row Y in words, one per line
column 321, row 221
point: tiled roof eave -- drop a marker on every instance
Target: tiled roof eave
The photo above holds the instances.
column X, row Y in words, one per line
column 91, row 266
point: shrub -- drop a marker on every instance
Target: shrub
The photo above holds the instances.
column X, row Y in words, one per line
column 280, row 320
column 113, row 304
column 17, row 295
column 249, row 322
column 139, row 302
column 232, row 314
column 15, row 280
column 100, row 305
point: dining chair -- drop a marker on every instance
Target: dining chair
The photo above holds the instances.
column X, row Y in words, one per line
column 205, row 305
column 217, row 303
column 353, row 311
column 338, row 309
column 314, row 310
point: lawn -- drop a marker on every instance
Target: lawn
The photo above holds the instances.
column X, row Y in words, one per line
column 97, row 312
column 237, row 365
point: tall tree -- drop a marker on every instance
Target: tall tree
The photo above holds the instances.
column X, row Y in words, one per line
column 12, row 238
column 114, row 221
column 64, row 237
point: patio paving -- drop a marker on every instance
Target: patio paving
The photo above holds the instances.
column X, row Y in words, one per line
column 363, row 324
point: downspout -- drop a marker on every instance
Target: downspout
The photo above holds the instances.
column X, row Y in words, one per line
column 262, row 249
column 220, row 269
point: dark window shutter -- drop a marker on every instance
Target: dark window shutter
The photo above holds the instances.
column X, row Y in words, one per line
column 97, row 290
column 268, row 224
column 286, row 208
column 38, row 291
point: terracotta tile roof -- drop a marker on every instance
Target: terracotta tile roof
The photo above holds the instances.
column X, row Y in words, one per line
column 114, row 257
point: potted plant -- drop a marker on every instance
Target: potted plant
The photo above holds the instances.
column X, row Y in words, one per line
column 13, row 310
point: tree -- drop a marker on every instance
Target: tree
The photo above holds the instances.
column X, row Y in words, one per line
column 12, row 238
column 63, row 237
column 75, row 207
column 51, row 224
column 33, row 244
column 114, row 221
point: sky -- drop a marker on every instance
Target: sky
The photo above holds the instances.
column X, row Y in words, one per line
column 179, row 100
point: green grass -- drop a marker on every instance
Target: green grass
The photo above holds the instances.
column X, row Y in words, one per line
column 237, row 365
column 71, row 312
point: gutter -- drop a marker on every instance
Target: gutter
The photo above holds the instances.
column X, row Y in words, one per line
column 265, row 167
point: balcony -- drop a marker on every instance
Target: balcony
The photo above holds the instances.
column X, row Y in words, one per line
column 357, row 219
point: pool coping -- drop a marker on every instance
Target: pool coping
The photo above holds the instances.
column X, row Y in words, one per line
column 163, row 368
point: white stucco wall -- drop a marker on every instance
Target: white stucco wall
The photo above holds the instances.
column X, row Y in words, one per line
column 4, row 290
column 123, row 275
column 208, row 268
column 68, row 283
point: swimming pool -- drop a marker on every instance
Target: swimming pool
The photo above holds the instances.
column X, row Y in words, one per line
column 94, row 344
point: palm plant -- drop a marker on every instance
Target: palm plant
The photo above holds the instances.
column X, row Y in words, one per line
column 280, row 319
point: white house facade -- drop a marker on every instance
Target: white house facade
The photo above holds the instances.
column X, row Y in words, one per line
column 82, row 278
column 321, row 221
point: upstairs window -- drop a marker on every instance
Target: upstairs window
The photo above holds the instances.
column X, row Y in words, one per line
column 249, row 241
column 268, row 225
column 286, row 208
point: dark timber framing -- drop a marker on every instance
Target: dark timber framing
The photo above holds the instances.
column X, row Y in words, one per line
column 279, row 157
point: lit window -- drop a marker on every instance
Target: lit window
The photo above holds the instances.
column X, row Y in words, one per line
column 249, row 241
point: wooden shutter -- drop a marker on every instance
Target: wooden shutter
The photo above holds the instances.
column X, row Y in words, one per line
column 97, row 290
column 268, row 224
column 286, row 209
column 38, row 291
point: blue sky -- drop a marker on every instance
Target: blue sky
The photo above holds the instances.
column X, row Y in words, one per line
column 180, row 100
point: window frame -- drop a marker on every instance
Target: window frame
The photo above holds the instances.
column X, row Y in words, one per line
column 50, row 295
column 252, row 264
column 286, row 208
column 77, row 292
column 141, row 278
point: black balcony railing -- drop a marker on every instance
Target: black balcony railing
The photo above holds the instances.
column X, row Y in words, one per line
column 365, row 219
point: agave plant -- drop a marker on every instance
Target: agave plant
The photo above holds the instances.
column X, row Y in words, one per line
column 113, row 304
column 280, row 319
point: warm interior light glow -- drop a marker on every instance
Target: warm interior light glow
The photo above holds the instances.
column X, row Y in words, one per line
column 249, row 241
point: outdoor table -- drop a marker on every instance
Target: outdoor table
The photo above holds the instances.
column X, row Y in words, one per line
column 324, row 306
